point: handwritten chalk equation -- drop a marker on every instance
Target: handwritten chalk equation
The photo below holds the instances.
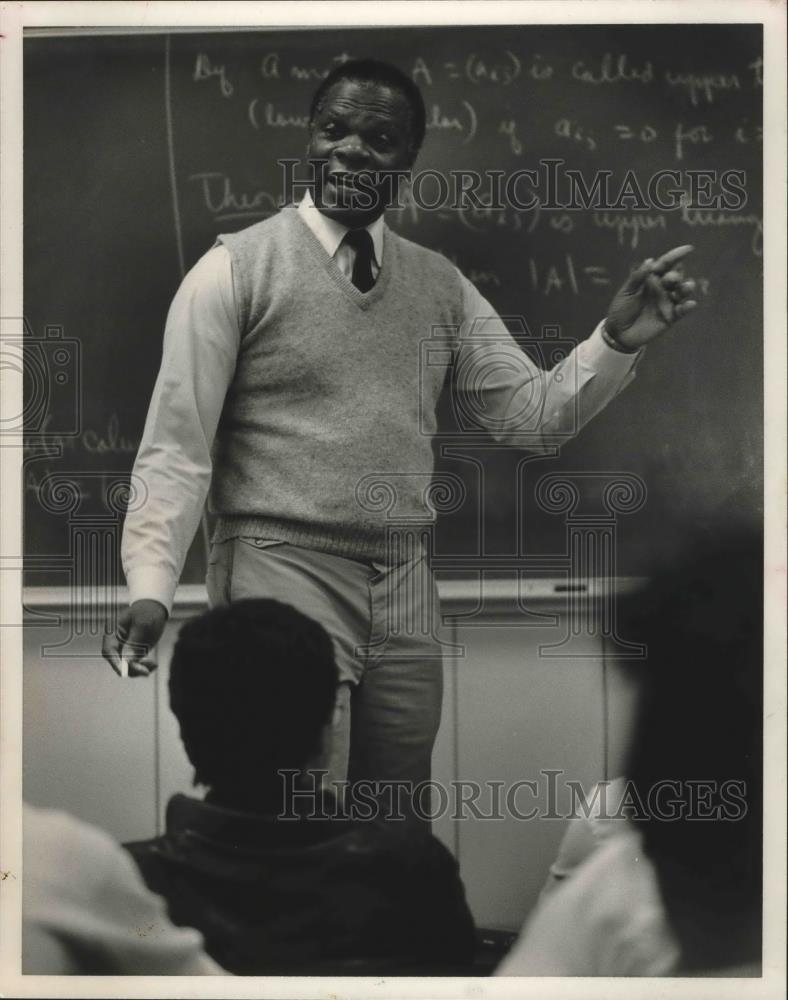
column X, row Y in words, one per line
column 499, row 69
column 506, row 67
column 205, row 69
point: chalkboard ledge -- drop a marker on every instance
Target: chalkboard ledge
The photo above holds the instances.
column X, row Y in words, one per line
column 457, row 595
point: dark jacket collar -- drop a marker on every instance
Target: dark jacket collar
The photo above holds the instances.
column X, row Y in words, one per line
column 306, row 822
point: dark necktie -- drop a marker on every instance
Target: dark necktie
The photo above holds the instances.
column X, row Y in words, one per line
column 361, row 242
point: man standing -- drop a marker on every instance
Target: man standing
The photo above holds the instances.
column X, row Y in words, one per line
column 290, row 372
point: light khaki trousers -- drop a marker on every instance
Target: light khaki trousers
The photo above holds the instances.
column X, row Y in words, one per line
column 385, row 624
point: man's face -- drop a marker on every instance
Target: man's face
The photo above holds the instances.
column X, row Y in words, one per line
column 360, row 141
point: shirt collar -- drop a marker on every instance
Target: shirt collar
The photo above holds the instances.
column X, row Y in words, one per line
column 331, row 233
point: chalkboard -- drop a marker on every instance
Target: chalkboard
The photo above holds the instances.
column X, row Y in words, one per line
column 140, row 149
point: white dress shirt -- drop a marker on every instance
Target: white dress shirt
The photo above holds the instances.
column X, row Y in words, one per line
column 331, row 234
column 201, row 342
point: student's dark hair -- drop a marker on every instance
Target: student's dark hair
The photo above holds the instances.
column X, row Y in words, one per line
column 252, row 685
column 372, row 71
column 700, row 721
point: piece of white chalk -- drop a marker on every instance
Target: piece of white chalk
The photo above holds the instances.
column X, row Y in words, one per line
column 124, row 667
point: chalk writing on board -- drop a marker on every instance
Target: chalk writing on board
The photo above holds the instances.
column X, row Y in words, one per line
column 702, row 87
column 272, row 68
column 643, row 133
column 204, row 69
column 437, row 120
column 540, row 70
column 464, row 123
column 420, row 73
column 747, row 133
column 561, row 222
column 693, row 135
column 508, row 127
column 612, row 69
column 109, row 439
column 503, row 71
column 223, row 202
column 565, row 128
column 629, row 226
column 479, row 70
column 553, row 277
column 272, row 117
column 596, row 274
column 269, row 66
column 47, row 442
column 546, row 277
column 483, row 276
column 722, row 220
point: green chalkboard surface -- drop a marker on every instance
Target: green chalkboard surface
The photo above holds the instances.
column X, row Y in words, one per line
column 140, row 149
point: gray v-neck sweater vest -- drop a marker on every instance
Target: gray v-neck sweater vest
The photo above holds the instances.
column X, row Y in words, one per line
column 325, row 438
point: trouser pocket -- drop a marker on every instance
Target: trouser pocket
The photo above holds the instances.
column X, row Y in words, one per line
column 219, row 573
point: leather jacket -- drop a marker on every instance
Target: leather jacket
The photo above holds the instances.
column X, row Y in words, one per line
column 309, row 895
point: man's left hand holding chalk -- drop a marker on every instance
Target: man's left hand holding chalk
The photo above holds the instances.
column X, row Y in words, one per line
column 129, row 648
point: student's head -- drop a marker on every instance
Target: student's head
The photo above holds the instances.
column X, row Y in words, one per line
column 253, row 686
column 696, row 757
column 366, row 126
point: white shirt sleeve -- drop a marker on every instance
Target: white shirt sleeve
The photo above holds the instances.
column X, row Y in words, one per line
column 519, row 402
column 201, row 341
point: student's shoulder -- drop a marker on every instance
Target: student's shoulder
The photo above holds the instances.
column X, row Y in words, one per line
column 68, row 856
column 614, row 889
column 55, row 834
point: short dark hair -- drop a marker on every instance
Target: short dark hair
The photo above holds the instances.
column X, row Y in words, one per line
column 700, row 720
column 372, row 71
column 252, row 685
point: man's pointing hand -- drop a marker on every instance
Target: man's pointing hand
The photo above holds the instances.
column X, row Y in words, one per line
column 653, row 298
